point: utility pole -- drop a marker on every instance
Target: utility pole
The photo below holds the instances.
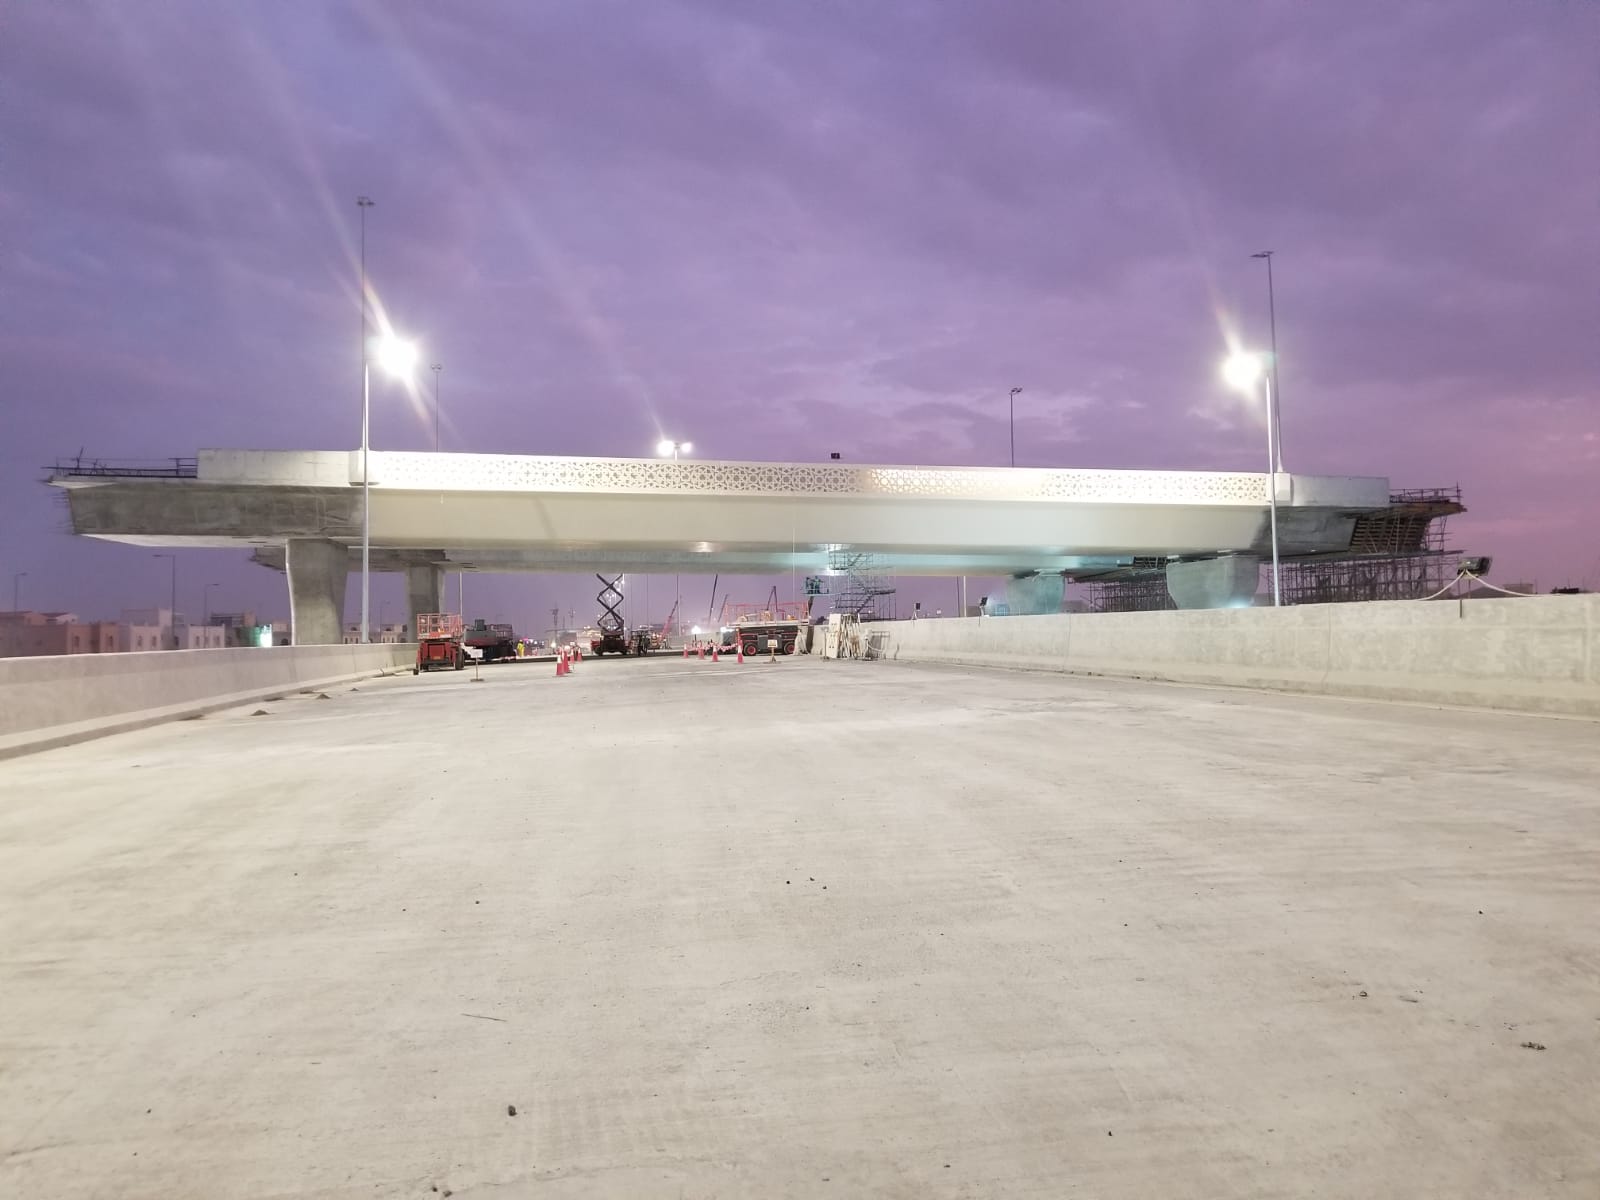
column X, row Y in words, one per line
column 437, row 368
column 1015, row 392
column 1272, row 320
column 362, row 204
column 172, row 617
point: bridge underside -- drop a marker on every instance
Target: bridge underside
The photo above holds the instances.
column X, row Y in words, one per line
column 430, row 514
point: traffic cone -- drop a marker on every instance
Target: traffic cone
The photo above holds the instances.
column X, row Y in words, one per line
column 561, row 665
column 686, row 649
column 741, row 652
column 700, row 651
column 714, row 657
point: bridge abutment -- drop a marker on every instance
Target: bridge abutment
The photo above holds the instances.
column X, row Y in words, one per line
column 1035, row 595
column 318, row 570
column 1228, row 582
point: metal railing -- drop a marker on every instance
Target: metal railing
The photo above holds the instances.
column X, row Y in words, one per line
column 145, row 468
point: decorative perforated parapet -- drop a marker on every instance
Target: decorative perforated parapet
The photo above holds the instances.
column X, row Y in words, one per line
column 517, row 473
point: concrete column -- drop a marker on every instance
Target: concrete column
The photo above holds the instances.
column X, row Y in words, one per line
column 1031, row 595
column 317, row 570
column 424, row 593
column 1228, row 582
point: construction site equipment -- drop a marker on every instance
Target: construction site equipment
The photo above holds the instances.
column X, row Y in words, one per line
column 493, row 642
column 778, row 626
column 439, row 642
column 865, row 592
column 612, row 637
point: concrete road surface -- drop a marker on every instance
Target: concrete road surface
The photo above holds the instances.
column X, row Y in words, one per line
column 803, row 930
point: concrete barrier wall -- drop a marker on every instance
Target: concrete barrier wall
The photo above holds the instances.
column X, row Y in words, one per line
column 1540, row 654
column 52, row 701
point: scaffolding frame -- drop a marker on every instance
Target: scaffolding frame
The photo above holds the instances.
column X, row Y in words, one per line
column 867, row 594
column 1396, row 553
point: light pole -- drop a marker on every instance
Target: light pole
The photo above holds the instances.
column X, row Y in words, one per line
column 1015, row 392
column 362, row 204
column 205, row 592
column 1242, row 370
column 16, row 590
column 398, row 357
column 1277, row 392
column 665, row 447
column 437, row 367
column 173, row 617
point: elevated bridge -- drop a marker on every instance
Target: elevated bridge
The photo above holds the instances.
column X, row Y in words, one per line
column 301, row 511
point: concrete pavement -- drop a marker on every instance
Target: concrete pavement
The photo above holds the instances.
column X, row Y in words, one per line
column 800, row 930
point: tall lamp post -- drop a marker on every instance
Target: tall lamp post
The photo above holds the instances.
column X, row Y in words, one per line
column 1015, row 392
column 1242, row 371
column 437, row 368
column 667, row 447
column 206, row 603
column 362, row 204
column 398, row 358
column 16, row 590
column 1272, row 321
column 172, row 620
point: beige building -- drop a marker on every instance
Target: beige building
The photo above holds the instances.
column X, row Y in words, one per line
column 26, row 634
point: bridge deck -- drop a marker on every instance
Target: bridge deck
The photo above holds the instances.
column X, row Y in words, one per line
column 800, row 930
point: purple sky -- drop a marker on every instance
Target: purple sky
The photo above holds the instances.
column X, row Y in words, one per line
column 784, row 229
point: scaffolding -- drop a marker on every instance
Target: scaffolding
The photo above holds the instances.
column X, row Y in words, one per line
column 1374, row 577
column 866, row 592
column 1135, row 593
column 1396, row 553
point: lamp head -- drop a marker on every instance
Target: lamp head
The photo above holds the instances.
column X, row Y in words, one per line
column 1241, row 370
column 396, row 355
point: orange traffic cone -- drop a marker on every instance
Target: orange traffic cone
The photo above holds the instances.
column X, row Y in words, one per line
column 700, row 651
column 561, row 665
column 686, row 649
column 714, row 657
column 741, row 651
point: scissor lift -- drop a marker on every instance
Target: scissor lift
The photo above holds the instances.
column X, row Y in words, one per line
column 439, row 642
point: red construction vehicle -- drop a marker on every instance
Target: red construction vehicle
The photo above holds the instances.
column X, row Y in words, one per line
column 439, row 642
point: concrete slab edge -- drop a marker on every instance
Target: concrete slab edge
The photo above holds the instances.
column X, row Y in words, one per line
column 1574, row 707
column 53, row 737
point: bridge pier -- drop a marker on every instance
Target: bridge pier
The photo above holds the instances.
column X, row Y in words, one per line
column 1032, row 595
column 424, row 593
column 1227, row 582
column 317, row 570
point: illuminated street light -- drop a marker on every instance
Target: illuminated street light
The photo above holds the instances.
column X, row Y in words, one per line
column 396, row 355
column 1242, row 371
column 667, row 447
column 398, row 358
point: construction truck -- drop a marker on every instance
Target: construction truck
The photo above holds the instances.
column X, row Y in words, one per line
column 439, row 643
column 492, row 642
